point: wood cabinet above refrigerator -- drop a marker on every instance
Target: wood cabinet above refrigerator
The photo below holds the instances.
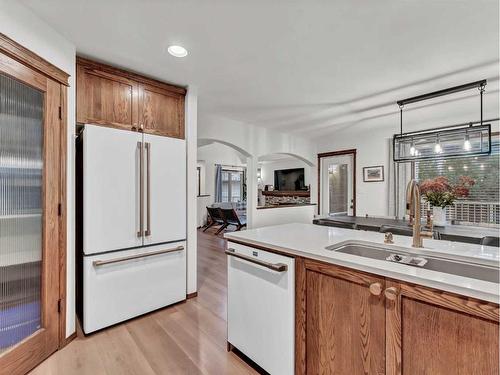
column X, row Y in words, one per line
column 117, row 98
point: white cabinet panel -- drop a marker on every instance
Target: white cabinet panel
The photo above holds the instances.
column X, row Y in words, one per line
column 110, row 189
column 261, row 311
column 167, row 189
column 114, row 292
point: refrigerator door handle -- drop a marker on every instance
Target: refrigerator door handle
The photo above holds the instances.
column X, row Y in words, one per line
column 148, row 189
column 97, row 263
column 140, row 146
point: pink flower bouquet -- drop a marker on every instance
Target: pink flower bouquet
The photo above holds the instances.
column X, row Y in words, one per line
column 439, row 192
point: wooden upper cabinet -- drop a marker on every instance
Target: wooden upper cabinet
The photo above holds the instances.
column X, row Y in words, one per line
column 106, row 99
column 114, row 97
column 438, row 333
column 161, row 111
column 344, row 321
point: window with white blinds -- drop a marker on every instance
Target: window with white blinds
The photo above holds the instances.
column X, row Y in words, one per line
column 482, row 206
column 232, row 185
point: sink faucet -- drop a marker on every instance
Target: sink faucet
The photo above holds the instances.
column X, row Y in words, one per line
column 413, row 209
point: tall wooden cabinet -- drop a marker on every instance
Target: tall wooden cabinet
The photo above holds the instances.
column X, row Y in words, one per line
column 351, row 322
column 33, row 143
column 114, row 97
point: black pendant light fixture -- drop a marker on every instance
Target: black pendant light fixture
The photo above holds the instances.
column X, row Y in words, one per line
column 467, row 139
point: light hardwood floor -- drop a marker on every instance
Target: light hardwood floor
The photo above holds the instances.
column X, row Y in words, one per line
column 187, row 338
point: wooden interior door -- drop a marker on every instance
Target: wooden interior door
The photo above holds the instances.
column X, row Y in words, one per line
column 344, row 321
column 106, row 99
column 433, row 332
column 161, row 111
column 30, row 182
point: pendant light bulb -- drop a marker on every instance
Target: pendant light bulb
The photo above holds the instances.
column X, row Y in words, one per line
column 412, row 149
column 437, row 147
column 467, row 144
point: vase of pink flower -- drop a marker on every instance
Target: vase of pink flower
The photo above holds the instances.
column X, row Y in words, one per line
column 441, row 193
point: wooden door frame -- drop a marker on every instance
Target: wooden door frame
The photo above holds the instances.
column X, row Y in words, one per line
column 322, row 155
column 14, row 50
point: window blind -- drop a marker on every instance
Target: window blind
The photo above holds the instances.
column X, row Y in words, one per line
column 482, row 206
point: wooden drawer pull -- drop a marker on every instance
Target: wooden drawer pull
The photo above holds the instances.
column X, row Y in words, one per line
column 391, row 293
column 376, row 289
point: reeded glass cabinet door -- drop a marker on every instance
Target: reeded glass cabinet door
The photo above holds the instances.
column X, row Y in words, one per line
column 21, row 165
column 29, row 225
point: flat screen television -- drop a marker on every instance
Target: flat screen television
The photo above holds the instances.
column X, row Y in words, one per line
column 289, row 179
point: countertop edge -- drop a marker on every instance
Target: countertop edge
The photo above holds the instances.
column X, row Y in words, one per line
column 286, row 206
column 467, row 292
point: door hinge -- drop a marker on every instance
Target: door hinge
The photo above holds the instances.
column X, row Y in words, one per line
column 59, row 209
column 59, row 305
column 60, row 113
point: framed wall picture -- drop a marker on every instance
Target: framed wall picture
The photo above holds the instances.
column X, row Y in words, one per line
column 373, row 174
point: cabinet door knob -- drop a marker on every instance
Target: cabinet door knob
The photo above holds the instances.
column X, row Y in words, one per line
column 376, row 289
column 391, row 293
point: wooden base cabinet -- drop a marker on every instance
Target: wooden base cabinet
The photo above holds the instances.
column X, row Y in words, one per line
column 437, row 333
column 351, row 322
column 343, row 321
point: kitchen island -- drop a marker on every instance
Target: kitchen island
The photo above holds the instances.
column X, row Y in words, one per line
column 460, row 233
column 363, row 315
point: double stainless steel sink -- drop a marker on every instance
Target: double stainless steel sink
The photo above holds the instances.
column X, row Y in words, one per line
column 434, row 263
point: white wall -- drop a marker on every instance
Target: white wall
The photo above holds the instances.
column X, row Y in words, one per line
column 284, row 215
column 371, row 138
column 268, row 168
column 23, row 26
column 253, row 142
column 212, row 154
column 208, row 156
column 192, row 192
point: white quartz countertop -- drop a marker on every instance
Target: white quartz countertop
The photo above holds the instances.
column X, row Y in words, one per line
column 310, row 241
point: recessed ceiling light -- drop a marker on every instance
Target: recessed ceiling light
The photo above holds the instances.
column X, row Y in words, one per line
column 177, row 51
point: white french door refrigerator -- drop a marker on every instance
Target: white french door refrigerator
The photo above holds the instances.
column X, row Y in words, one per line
column 133, row 224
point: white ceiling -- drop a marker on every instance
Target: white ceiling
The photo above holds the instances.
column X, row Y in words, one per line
column 306, row 67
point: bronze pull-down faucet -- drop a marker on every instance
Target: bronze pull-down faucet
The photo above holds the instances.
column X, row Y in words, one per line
column 413, row 198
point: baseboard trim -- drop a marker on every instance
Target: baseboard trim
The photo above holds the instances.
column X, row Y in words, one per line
column 191, row 295
column 67, row 340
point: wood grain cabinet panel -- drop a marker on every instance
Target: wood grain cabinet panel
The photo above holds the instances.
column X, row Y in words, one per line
column 162, row 111
column 106, row 99
column 436, row 333
column 114, row 97
column 344, row 322
column 351, row 322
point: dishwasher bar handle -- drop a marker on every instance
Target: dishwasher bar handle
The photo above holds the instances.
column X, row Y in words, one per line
column 278, row 267
column 98, row 263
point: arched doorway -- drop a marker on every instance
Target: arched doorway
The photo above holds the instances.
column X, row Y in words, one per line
column 222, row 178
